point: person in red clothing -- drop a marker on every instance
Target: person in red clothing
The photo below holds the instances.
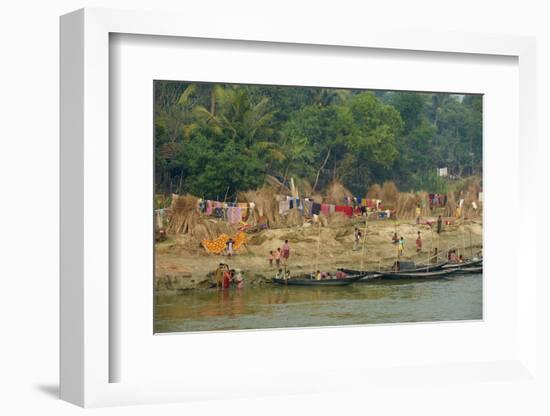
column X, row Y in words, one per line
column 285, row 253
column 227, row 275
column 418, row 242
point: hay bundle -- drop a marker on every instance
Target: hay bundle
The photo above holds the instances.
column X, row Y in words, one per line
column 184, row 214
column 390, row 195
column 337, row 220
column 277, row 185
column 303, row 186
column 374, row 192
column 406, row 206
column 317, row 198
column 335, row 193
column 423, row 200
column 472, row 198
column 294, row 218
column 250, row 196
column 266, row 205
column 450, row 206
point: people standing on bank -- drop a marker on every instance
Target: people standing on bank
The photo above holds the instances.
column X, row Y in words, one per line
column 229, row 247
column 395, row 238
column 356, row 239
column 439, row 224
column 278, row 257
column 401, row 246
column 285, row 254
column 227, row 275
column 218, row 276
column 270, row 258
column 418, row 243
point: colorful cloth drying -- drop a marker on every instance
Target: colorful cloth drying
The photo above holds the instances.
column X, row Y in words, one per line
column 325, row 210
column 234, row 215
column 316, row 208
column 284, row 206
column 218, row 245
column 348, row 211
column 215, row 246
column 209, row 207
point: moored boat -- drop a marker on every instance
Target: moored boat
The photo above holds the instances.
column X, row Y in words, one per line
column 464, row 265
column 436, row 274
column 307, row 280
column 367, row 275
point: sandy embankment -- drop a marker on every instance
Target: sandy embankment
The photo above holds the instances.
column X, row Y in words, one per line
column 181, row 264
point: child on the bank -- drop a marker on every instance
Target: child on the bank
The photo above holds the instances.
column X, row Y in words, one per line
column 418, row 243
column 278, row 257
column 270, row 258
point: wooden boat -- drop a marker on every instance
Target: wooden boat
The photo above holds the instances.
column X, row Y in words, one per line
column 307, row 280
column 466, row 264
column 367, row 275
column 474, row 269
column 426, row 267
column 436, row 274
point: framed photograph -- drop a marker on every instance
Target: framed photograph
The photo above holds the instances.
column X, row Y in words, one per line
column 244, row 214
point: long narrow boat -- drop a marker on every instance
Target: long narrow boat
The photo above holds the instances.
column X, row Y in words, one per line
column 367, row 275
column 427, row 267
column 401, row 275
column 471, row 263
column 472, row 270
column 306, row 280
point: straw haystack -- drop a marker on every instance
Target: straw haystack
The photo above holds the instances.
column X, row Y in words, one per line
column 374, row 192
column 277, row 185
column 450, row 206
column 406, row 206
column 335, row 193
column 184, row 214
column 423, row 200
column 337, row 220
column 294, row 218
column 303, row 186
column 390, row 195
column 266, row 206
column 186, row 219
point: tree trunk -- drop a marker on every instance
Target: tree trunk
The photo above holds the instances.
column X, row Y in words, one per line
column 319, row 171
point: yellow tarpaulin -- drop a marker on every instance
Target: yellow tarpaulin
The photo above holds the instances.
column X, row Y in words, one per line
column 218, row 245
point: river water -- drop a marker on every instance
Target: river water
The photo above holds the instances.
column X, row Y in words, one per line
column 272, row 306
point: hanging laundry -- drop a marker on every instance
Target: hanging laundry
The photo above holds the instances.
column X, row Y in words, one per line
column 233, row 215
column 332, row 209
column 244, row 209
column 316, row 208
column 284, row 207
column 325, row 209
column 344, row 210
column 209, row 207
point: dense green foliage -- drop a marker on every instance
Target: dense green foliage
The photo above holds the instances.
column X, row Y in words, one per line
column 214, row 140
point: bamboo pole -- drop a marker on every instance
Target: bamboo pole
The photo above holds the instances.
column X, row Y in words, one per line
column 318, row 249
column 463, row 243
column 471, row 246
column 364, row 244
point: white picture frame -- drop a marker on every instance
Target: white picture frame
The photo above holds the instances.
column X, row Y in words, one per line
column 85, row 183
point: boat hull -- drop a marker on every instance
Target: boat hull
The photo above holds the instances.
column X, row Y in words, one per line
column 313, row 282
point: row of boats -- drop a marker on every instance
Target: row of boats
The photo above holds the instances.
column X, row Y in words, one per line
column 400, row 270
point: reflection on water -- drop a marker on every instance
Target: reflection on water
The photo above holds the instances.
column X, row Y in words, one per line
column 273, row 306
